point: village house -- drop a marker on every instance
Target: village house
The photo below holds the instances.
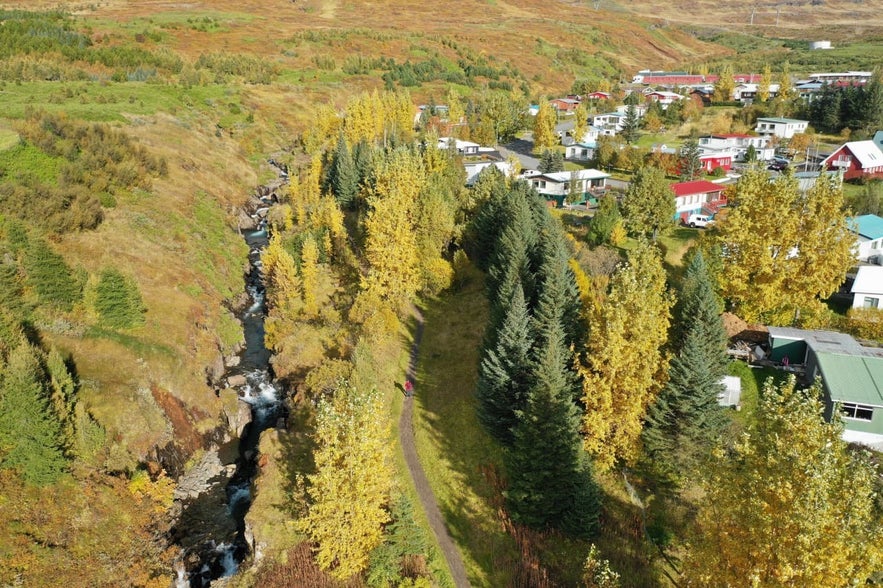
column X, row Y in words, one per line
column 565, row 105
column 851, row 377
column 556, row 186
column 736, row 145
column 867, row 288
column 663, row 98
column 713, row 161
column 608, row 123
column 856, row 159
column 583, row 151
column 748, row 92
column 868, row 229
column 697, row 197
column 598, row 95
column 476, row 158
column 462, row 147
column 784, row 128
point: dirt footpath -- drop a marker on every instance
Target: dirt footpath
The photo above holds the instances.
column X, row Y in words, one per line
column 424, row 491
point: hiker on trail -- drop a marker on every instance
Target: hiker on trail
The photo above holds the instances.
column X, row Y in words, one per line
column 409, row 388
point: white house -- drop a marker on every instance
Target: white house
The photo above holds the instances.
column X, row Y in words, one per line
column 474, row 168
column 608, row 123
column 747, row 92
column 584, row 151
column 556, row 185
column 867, row 289
column 462, row 147
column 736, row 145
column 868, row 229
column 780, row 127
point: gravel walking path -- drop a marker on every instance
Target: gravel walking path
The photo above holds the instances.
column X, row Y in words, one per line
column 424, row 491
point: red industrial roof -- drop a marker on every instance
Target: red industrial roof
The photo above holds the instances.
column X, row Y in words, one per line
column 695, row 187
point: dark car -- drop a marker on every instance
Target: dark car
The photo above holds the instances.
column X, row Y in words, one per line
column 778, row 165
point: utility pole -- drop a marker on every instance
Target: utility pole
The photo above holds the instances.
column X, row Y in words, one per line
column 777, row 17
column 753, row 10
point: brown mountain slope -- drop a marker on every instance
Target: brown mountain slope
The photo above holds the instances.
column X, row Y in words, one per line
column 802, row 19
column 541, row 38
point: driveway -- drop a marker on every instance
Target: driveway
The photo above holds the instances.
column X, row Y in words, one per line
column 523, row 150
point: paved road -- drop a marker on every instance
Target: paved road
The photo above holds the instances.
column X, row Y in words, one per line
column 424, row 491
column 523, row 150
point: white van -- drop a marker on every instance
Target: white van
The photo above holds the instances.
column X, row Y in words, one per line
column 698, row 220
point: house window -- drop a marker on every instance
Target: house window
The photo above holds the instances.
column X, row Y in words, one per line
column 858, row 412
column 871, row 302
column 874, row 244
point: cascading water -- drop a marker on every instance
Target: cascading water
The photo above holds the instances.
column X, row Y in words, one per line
column 216, row 557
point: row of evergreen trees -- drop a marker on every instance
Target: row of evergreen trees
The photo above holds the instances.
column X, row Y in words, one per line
column 527, row 386
column 858, row 108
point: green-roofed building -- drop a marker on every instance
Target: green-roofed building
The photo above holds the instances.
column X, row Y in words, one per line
column 851, row 376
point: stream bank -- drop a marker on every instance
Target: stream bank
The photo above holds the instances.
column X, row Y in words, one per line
column 213, row 496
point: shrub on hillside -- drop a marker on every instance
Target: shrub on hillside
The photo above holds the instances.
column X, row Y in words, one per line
column 51, row 278
column 117, row 300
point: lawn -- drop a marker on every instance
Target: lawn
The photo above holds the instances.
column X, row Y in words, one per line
column 8, row 137
column 676, row 243
column 458, row 457
column 753, row 379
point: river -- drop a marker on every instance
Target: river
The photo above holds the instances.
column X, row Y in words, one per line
column 211, row 529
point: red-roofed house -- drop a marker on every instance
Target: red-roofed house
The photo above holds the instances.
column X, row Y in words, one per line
column 697, row 197
column 664, row 98
column 598, row 95
column 712, row 161
column 564, row 104
column 856, row 159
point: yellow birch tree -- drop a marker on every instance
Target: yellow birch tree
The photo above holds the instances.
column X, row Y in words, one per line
column 782, row 250
column 789, row 505
column 623, row 368
column 390, row 244
column 351, row 487
column 544, row 128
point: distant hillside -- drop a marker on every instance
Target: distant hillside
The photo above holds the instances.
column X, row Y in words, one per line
column 837, row 20
column 548, row 43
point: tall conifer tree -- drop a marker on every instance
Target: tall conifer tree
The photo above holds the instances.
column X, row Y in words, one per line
column 344, row 175
column 686, row 419
column 550, row 477
column 503, row 375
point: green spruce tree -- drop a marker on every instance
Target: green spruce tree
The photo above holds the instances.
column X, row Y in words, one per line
column 344, row 175
column 631, row 124
column 50, row 276
column 118, row 301
column 504, row 371
column 604, row 221
column 689, row 164
column 31, row 438
column 686, row 419
column 511, row 261
column 551, row 482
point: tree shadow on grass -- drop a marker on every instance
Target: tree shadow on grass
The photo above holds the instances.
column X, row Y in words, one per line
column 455, row 453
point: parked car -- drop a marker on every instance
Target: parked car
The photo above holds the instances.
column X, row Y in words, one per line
column 778, row 163
column 698, row 220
